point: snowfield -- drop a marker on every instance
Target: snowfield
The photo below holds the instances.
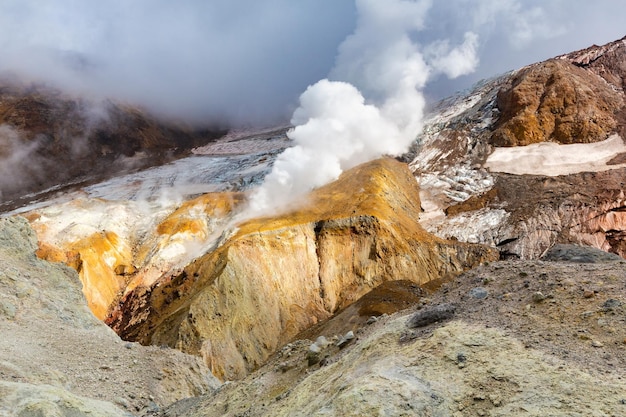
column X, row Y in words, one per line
column 552, row 159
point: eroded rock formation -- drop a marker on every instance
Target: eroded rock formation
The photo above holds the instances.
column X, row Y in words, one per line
column 116, row 246
column 277, row 276
column 523, row 341
column 555, row 101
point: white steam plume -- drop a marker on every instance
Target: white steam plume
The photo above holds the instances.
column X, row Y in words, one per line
column 338, row 126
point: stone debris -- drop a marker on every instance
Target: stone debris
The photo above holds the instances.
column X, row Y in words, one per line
column 538, row 297
column 611, row 304
column 479, row 293
column 345, row 339
column 320, row 350
column 322, row 342
column 579, row 254
column 431, row 315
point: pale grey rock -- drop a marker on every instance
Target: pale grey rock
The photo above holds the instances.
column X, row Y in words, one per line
column 56, row 357
column 479, row 293
column 580, row 254
column 28, row 400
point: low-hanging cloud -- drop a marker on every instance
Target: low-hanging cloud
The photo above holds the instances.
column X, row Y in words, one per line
column 247, row 61
column 19, row 162
column 243, row 61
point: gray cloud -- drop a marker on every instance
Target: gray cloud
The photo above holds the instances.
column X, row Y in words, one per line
column 514, row 33
column 249, row 60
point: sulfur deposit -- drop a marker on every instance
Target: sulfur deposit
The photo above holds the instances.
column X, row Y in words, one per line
column 278, row 276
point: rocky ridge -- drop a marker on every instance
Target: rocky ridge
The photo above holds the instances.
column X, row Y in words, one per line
column 528, row 338
column 558, row 193
column 53, row 138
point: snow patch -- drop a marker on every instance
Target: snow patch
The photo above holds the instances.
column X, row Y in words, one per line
column 481, row 226
column 456, row 184
column 552, row 159
column 454, row 110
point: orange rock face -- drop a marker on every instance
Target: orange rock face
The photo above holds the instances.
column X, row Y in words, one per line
column 555, row 101
column 117, row 253
column 277, row 276
column 104, row 261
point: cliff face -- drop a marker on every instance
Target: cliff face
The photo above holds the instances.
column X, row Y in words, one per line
column 277, row 276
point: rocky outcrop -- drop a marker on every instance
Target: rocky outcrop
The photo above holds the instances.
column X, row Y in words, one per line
column 56, row 358
column 52, row 138
column 555, row 101
column 541, row 211
column 528, row 196
column 278, row 276
column 607, row 61
column 116, row 245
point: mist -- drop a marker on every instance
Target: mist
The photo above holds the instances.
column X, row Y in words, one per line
column 247, row 61
column 242, row 62
column 19, row 163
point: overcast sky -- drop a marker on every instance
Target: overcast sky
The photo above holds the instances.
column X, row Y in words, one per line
column 249, row 60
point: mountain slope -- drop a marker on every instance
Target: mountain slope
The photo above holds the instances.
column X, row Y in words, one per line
column 522, row 340
column 56, row 358
column 551, row 183
column 50, row 139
